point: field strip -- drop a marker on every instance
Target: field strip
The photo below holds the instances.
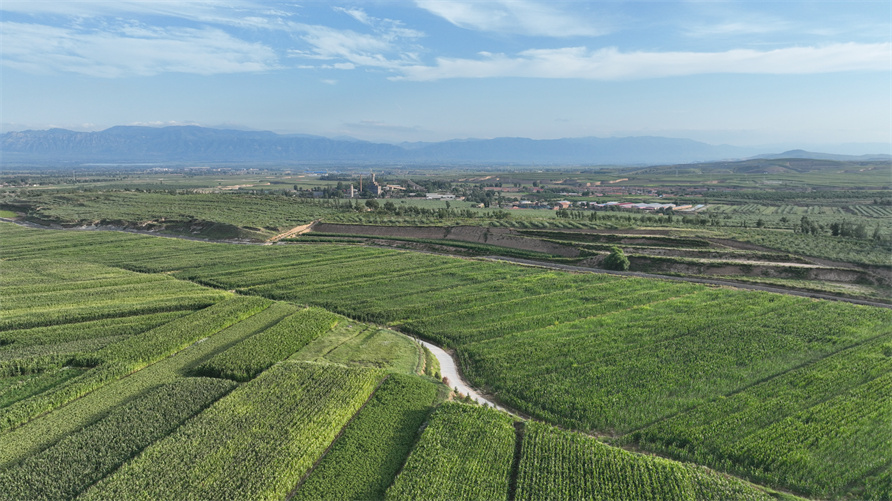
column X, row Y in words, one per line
column 330, row 445
column 603, row 314
column 724, row 283
column 487, row 288
column 45, row 430
column 767, row 379
column 541, row 264
column 363, row 279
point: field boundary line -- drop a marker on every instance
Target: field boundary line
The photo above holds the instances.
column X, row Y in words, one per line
column 519, row 429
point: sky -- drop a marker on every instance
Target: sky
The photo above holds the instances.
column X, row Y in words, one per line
column 724, row 72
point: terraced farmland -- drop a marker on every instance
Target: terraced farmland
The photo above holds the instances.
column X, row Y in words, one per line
column 776, row 389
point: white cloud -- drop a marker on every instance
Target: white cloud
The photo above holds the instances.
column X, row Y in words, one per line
column 738, row 28
column 357, row 14
column 352, row 48
column 522, row 17
column 130, row 49
column 204, row 37
column 386, row 48
column 611, row 64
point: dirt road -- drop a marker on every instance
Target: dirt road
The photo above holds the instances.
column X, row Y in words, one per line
column 449, row 370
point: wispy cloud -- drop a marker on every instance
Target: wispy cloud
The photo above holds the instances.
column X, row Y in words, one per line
column 738, row 28
column 521, row 17
column 204, row 37
column 197, row 10
column 611, row 64
column 130, row 49
column 389, row 46
column 349, row 48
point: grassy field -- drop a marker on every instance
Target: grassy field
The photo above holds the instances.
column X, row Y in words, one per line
column 355, row 344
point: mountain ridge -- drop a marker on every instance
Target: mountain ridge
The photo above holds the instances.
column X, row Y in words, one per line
column 191, row 143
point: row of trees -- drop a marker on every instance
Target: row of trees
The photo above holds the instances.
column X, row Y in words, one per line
column 844, row 228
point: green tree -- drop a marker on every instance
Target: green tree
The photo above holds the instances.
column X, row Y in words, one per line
column 371, row 204
column 616, row 260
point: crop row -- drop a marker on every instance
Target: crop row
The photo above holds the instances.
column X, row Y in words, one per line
column 41, row 348
column 872, row 210
column 26, row 310
column 825, row 449
column 79, row 331
column 717, row 342
column 747, row 432
column 117, row 360
column 561, row 465
column 65, row 469
column 364, row 460
column 150, row 346
column 15, row 388
column 255, row 443
column 465, row 452
column 257, row 353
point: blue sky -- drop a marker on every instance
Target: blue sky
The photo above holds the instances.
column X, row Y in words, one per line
column 736, row 72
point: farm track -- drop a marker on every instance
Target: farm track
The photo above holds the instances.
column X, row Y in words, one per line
column 543, row 264
column 293, row 232
column 449, row 370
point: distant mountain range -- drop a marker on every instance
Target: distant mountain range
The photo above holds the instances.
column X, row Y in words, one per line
column 824, row 156
column 132, row 144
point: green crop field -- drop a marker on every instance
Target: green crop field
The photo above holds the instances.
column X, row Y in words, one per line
column 365, row 459
column 464, row 453
column 556, row 464
column 74, row 463
column 254, row 355
column 787, row 392
column 229, row 452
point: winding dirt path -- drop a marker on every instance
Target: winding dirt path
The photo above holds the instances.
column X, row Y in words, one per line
column 449, row 369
